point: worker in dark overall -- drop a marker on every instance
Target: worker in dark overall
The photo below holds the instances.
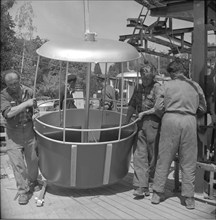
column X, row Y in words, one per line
column 145, row 145
column 17, row 106
column 182, row 101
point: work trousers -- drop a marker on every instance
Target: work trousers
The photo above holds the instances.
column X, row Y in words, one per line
column 21, row 150
column 178, row 135
column 144, row 157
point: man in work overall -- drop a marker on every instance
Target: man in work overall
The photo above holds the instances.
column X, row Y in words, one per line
column 143, row 100
column 17, row 108
column 181, row 100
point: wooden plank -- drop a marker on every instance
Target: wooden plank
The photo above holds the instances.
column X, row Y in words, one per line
column 111, row 196
column 128, row 214
column 79, row 211
column 149, row 51
column 195, row 214
column 161, row 208
column 181, row 10
column 74, row 199
column 160, row 41
column 88, row 200
column 143, row 206
column 100, row 210
column 173, row 203
column 120, row 214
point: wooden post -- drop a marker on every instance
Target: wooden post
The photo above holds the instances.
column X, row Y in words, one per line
column 199, row 43
column 199, row 48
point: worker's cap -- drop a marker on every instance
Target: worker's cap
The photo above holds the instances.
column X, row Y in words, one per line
column 72, row 77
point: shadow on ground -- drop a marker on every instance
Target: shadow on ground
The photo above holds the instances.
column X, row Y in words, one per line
column 121, row 186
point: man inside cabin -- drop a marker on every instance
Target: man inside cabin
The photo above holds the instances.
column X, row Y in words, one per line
column 108, row 99
column 71, row 84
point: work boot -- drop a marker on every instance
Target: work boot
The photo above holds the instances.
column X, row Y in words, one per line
column 141, row 191
column 146, row 191
column 190, row 202
column 35, row 186
column 156, row 197
column 24, row 198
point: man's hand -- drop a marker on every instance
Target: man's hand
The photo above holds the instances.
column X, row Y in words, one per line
column 31, row 103
column 21, row 107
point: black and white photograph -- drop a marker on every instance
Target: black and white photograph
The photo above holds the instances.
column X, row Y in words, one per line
column 108, row 109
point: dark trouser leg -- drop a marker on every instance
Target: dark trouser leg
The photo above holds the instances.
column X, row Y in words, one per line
column 19, row 168
column 144, row 156
column 31, row 159
column 140, row 162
